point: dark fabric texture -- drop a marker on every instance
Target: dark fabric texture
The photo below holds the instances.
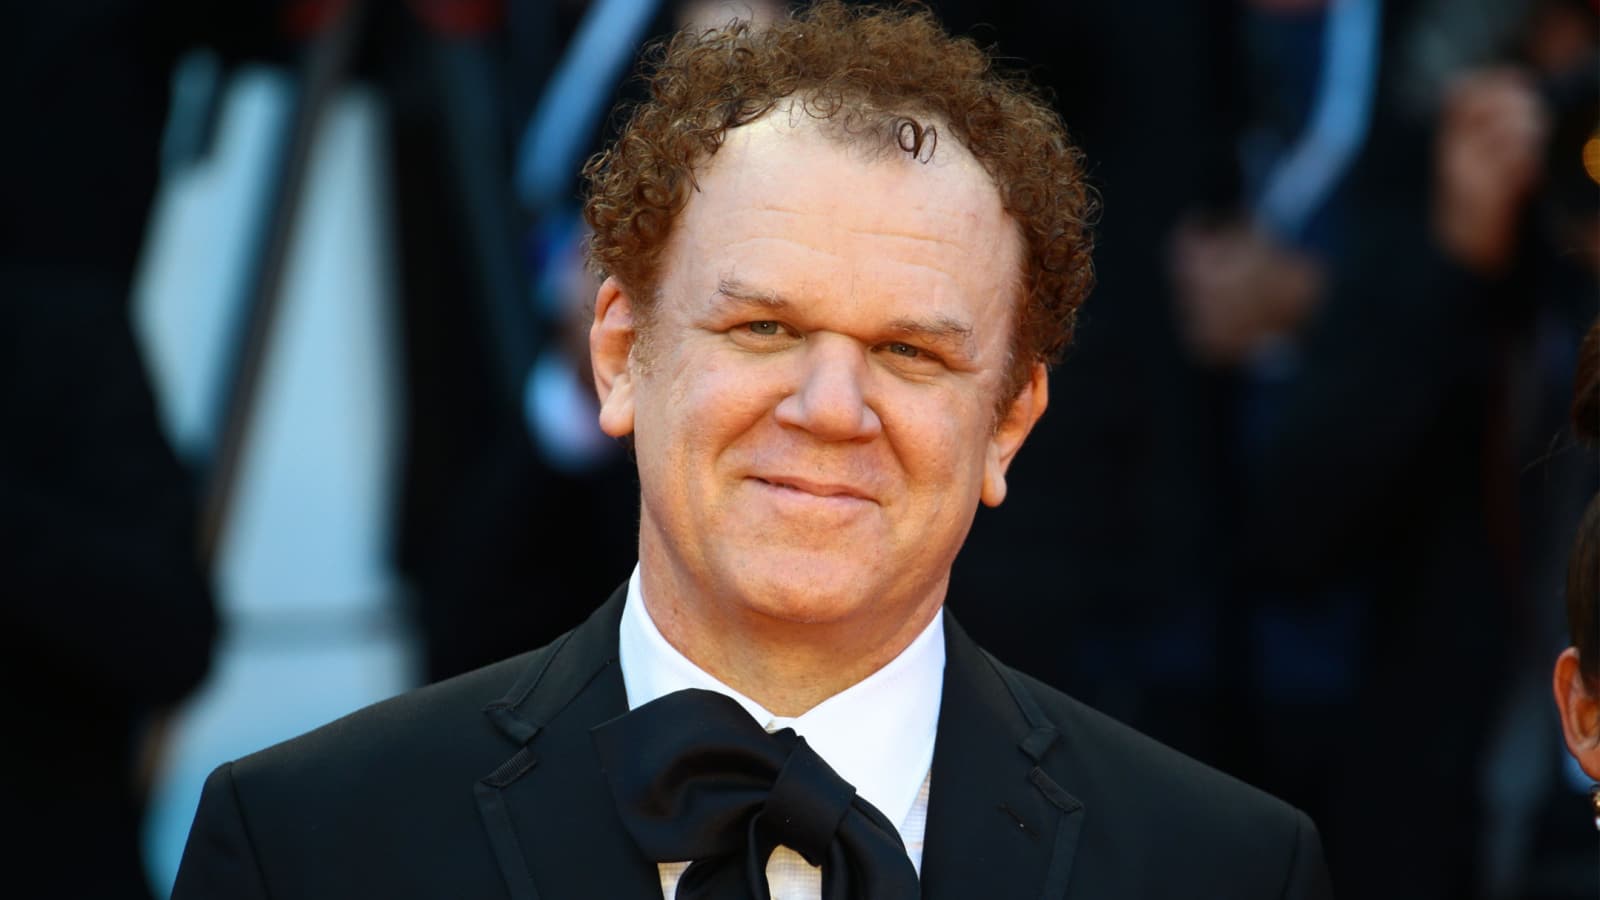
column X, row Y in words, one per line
column 489, row 785
column 695, row 778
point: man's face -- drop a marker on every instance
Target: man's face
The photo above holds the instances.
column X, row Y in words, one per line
column 814, row 408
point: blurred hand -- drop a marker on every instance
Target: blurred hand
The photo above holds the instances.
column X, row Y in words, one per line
column 1489, row 158
column 1237, row 288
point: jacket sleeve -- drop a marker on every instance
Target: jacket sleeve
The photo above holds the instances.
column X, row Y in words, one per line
column 1308, row 871
column 219, row 861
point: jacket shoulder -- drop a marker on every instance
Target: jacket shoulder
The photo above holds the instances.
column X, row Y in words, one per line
column 392, row 782
column 1152, row 809
column 421, row 725
column 376, row 802
column 1123, row 757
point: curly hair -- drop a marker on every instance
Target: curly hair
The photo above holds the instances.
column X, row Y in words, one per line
column 893, row 72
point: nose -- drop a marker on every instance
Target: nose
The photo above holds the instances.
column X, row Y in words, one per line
column 831, row 399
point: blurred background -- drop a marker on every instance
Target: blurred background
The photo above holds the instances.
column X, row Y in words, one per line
column 297, row 411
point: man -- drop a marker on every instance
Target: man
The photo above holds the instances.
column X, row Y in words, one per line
column 838, row 254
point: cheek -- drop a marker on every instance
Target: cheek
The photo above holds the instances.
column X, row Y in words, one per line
column 942, row 444
column 700, row 405
column 721, row 396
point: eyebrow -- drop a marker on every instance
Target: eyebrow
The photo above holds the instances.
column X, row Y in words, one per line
column 740, row 292
column 941, row 330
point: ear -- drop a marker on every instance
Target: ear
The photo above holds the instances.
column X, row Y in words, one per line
column 611, row 342
column 1025, row 409
column 1580, row 713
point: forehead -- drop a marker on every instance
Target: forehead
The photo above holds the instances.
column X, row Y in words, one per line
column 786, row 206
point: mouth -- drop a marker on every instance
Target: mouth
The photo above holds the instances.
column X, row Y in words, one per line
column 814, row 488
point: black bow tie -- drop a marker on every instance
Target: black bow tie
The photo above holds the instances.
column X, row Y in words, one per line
column 695, row 778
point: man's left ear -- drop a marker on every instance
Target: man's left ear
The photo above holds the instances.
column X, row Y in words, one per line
column 1025, row 409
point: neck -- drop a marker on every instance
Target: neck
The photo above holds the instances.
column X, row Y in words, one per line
column 788, row 667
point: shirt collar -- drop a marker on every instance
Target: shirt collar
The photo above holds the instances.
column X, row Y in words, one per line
column 877, row 734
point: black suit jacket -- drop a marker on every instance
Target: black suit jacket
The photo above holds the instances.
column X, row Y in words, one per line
column 488, row 785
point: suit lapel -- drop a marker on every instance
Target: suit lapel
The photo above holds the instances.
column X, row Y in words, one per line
column 998, row 823
column 547, row 810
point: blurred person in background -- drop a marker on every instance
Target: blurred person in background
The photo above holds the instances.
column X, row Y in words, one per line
column 1519, row 134
column 106, row 620
column 106, row 610
column 1377, row 484
column 1515, row 212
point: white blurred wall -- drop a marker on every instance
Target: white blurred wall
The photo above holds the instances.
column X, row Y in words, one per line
column 313, row 624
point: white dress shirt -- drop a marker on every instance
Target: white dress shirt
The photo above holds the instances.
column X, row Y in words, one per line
column 877, row 734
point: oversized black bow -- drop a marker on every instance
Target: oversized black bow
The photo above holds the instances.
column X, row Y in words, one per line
column 695, row 778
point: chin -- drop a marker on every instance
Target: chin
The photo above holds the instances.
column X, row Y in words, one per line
column 819, row 597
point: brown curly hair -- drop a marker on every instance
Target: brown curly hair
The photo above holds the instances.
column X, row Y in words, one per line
column 892, row 72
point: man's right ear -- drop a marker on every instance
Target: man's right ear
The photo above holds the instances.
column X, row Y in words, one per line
column 611, row 342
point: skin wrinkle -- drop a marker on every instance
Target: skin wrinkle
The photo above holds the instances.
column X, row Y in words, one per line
column 933, row 327
column 969, row 222
column 910, row 237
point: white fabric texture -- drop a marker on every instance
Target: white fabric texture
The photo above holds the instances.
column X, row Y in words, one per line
column 877, row 734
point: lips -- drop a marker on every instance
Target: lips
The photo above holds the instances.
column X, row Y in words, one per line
column 815, row 488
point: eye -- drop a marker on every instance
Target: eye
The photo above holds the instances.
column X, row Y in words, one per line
column 909, row 357
column 763, row 335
